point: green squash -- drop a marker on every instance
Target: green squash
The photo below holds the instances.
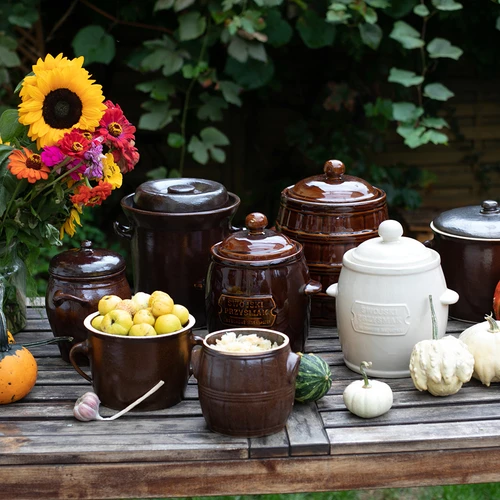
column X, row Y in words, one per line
column 314, row 378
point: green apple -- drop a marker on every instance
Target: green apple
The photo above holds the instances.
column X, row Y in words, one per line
column 141, row 300
column 144, row 316
column 162, row 305
column 127, row 305
column 117, row 322
column 107, row 303
column 167, row 323
column 182, row 313
column 142, row 330
column 96, row 322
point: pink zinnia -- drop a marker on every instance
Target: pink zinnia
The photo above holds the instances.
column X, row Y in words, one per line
column 52, row 156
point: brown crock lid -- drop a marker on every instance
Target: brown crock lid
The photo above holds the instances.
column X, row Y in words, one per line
column 256, row 243
column 334, row 187
column 180, row 195
column 86, row 262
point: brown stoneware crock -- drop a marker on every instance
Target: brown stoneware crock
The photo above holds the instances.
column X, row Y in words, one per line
column 259, row 278
column 173, row 224
column 78, row 278
column 123, row 368
column 330, row 214
column 246, row 395
column 468, row 241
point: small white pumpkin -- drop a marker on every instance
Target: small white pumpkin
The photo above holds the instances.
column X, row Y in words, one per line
column 440, row 366
column 368, row 398
column 483, row 341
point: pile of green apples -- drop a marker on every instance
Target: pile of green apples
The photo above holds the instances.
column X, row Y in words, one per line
column 143, row 315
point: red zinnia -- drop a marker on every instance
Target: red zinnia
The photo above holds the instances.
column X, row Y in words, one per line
column 114, row 127
column 90, row 197
column 74, row 144
column 126, row 157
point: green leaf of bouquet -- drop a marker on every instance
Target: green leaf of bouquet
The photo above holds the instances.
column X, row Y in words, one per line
column 447, row 5
column 10, row 128
column 251, row 75
column 439, row 47
column 191, row 26
column 8, row 58
column 405, row 78
column 198, row 150
column 213, row 137
column 434, row 122
column 230, row 91
column 406, row 35
column 314, row 30
column 421, row 10
column 278, row 31
column 94, row 44
column 371, row 35
column 438, row 92
column 212, row 107
column 406, row 111
column 175, row 140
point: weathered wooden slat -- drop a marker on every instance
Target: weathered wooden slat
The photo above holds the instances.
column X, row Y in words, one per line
column 275, row 445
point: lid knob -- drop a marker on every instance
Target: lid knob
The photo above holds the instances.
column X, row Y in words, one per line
column 86, row 245
column 334, row 170
column 390, row 230
column 256, row 223
column 181, row 189
column 489, row 207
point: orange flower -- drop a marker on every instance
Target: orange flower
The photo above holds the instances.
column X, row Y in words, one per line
column 27, row 165
column 90, row 197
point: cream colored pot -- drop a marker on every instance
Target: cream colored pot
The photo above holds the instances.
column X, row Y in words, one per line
column 382, row 301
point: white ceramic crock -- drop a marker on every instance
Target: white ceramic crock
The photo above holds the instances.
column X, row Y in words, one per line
column 383, row 301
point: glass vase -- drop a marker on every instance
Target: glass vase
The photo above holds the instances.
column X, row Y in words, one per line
column 13, row 278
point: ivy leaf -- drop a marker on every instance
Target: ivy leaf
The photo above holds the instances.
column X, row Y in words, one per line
column 238, row 49
column 405, row 78
column 371, row 35
column 447, row 5
column 434, row 122
column 251, row 75
column 369, row 15
column 268, row 3
column 438, row 92
column 497, row 25
column 172, row 63
column 175, row 140
column 314, row 30
column 159, row 116
column 212, row 107
column 406, row 35
column 278, row 31
column 219, row 155
column 23, row 15
column 182, row 4
column 439, row 47
column 213, row 137
column 8, row 58
column 406, row 111
column 157, row 173
column 159, row 90
column 257, row 51
column 191, row 26
column 378, row 4
column 337, row 14
column 434, row 137
column 230, row 91
column 411, row 135
column 163, row 5
column 198, row 150
column 421, row 10
column 401, row 8
column 94, row 44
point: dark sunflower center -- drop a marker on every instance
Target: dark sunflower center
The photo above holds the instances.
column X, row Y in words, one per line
column 115, row 129
column 34, row 162
column 62, row 108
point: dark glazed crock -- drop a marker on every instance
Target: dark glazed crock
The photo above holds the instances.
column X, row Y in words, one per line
column 330, row 214
column 246, row 395
column 78, row 278
column 468, row 241
column 123, row 368
column 259, row 278
column 173, row 224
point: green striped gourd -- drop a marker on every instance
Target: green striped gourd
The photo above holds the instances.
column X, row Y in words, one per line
column 314, row 378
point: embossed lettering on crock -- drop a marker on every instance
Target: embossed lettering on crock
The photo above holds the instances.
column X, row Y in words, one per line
column 380, row 319
column 245, row 311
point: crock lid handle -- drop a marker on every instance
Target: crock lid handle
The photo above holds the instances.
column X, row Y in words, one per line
column 256, row 223
column 490, row 207
column 390, row 230
column 334, row 170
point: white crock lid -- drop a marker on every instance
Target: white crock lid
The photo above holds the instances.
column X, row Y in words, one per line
column 391, row 252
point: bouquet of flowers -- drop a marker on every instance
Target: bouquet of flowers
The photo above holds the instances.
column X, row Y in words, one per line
column 63, row 149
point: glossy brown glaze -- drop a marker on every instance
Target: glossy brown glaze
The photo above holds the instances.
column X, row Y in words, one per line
column 259, row 278
column 78, row 279
column 171, row 251
column 122, row 369
column 330, row 214
column 246, row 395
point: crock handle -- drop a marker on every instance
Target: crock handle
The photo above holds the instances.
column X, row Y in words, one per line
column 83, row 348
column 195, row 355
column 60, row 297
column 449, row 297
column 312, row 287
column 122, row 230
column 293, row 363
column 333, row 290
column 430, row 243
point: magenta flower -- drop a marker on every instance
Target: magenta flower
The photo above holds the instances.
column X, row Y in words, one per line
column 52, row 156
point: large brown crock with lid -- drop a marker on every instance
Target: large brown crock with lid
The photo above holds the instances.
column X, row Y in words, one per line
column 173, row 224
column 330, row 214
column 259, row 278
column 468, row 240
column 78, row 279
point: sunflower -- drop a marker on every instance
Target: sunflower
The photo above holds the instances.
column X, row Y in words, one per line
column 69, row 225
column 27, row 165
column 58, row 97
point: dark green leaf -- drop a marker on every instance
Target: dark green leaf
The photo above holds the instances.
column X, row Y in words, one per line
column 94, row 44
column 157, row 173
column 251, row 75
column 8, row 42
column 278, row 31
column 439, row 47
column 257, row 51
column 213, row 137
column 218, row 155
column 434, row 137
column 198, row 150
column 447, row 5
column 337, row 15
column 159, row 89
column 10, row 128
column 191, row 25
column 8, row 58
column 212, row 108
column 406, row 35
column 434, row 122
column 174, row 173
column 497, row 24
column 406, row 111
column 163, row 5
column 160, row 115
column 405, row 78
column 172, row 63
column 378, row 4
column 438, row 92
column 268, row 3
column 369, row 15
column 400, row 8
column 23, row 15
column 421, row 10
column 238, row 49
column 315, row 31
column 371, row 35
column 230, row 91
column 412, row 135
column 175, row 140
column 182, row 4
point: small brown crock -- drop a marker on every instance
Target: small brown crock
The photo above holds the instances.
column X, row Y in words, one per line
column 468, row 241
column 246, row 395
column 173, row 224
column 78, row 278
column 330, row 214
column 259, row 278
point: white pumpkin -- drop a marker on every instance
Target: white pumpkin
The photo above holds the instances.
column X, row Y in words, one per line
column 483, row 341
column 368, row 398
column 440, row 366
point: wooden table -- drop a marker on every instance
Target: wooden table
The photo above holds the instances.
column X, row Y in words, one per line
column 423, row 440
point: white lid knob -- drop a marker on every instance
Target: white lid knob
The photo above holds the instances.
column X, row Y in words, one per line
column 390, row 230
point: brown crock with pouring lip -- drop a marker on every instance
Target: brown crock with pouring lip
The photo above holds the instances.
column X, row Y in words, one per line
column 173, row 224
column 468, row 241
column 330, row 214
column 124, row 368
column 246, row 394
column 78, row 279
column 259, row 278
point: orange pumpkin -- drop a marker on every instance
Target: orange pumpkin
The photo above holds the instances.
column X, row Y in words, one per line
column 10, row 337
